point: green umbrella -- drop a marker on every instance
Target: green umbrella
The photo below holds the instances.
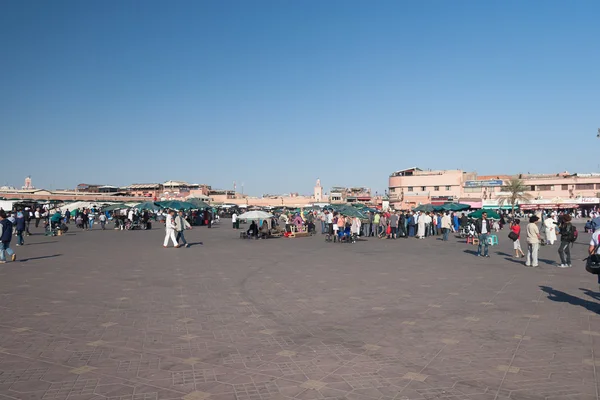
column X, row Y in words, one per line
column 177, row 205
column 491, row 214
column 198, row 203
column 425, row 208
column 148, row 205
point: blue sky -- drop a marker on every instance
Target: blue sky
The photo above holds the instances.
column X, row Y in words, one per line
column 276, row 94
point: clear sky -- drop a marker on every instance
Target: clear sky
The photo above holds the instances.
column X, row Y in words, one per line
column 276, row 94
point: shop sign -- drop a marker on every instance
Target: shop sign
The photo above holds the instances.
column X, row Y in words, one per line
column 488, row 183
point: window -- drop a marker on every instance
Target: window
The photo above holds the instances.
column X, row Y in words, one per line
column 447, row 188
column 436, row 188
column 532, row 188
column 473, row 190
column 564, row 187
column 410, row 189
column 423, row 188
column 545, row 188
column 392, row 190
column 584, row 186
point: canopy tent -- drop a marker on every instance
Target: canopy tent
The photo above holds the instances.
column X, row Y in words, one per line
column 177, row 205
column 349, row 211
column 198, row 202
column 425, row 208
column 452, row 207
column 113, row 207
column 490, row 213
column 148, row 205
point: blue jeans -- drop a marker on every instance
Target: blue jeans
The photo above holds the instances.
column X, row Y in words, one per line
column 5, row 247
column 445, row 231
column 182, row 237
column 90, row 223
column 20, row 240
column 323, row 227
column 483, row 241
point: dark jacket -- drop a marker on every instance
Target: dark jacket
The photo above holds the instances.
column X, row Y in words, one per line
column 20, row 222
column 6, row 231
column 566, row 232
column 478, row 224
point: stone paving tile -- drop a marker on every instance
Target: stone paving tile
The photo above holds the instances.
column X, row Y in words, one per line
column 300, row 318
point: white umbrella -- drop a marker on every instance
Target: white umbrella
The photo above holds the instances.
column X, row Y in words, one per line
column 255, row 215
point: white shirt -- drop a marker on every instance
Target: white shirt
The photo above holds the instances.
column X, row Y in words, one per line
column 169, row 222
column 329, row 218
column 484, row 227
column 234, row 217
column 595, row 240
column 130, row 216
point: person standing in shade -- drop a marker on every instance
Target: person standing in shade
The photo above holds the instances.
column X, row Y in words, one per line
column 533, row 242
column 234, row 220
column 181, row 225
column 170, row 230
column 446, row 224
column 567, row 236
column 5, row 238
column 483, row 227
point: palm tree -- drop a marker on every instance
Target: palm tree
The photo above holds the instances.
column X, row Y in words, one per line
column 516, row 193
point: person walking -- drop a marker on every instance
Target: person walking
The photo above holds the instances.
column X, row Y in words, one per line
column 533, row 242
column 515, row 226
column 170, row 230
column 567, row 236
column 446, row 224
column 483, row 227
column 102, row 219
column 28, row 217
column 5, row 238
column 181, row 225
column 20, row 225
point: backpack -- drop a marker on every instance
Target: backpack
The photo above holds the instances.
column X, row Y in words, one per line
column 574, row 234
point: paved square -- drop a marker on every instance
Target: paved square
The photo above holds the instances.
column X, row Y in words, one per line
column 112, row 315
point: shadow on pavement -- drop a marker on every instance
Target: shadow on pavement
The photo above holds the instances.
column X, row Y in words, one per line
column 593, row 295
column 196, row 243
column 39, row 258
column 562, row 297
column 473, row 252
column 34, row 244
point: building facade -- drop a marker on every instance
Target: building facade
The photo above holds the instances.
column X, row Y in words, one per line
column 413, row 186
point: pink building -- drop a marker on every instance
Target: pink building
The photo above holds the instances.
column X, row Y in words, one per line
column 413, row 186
